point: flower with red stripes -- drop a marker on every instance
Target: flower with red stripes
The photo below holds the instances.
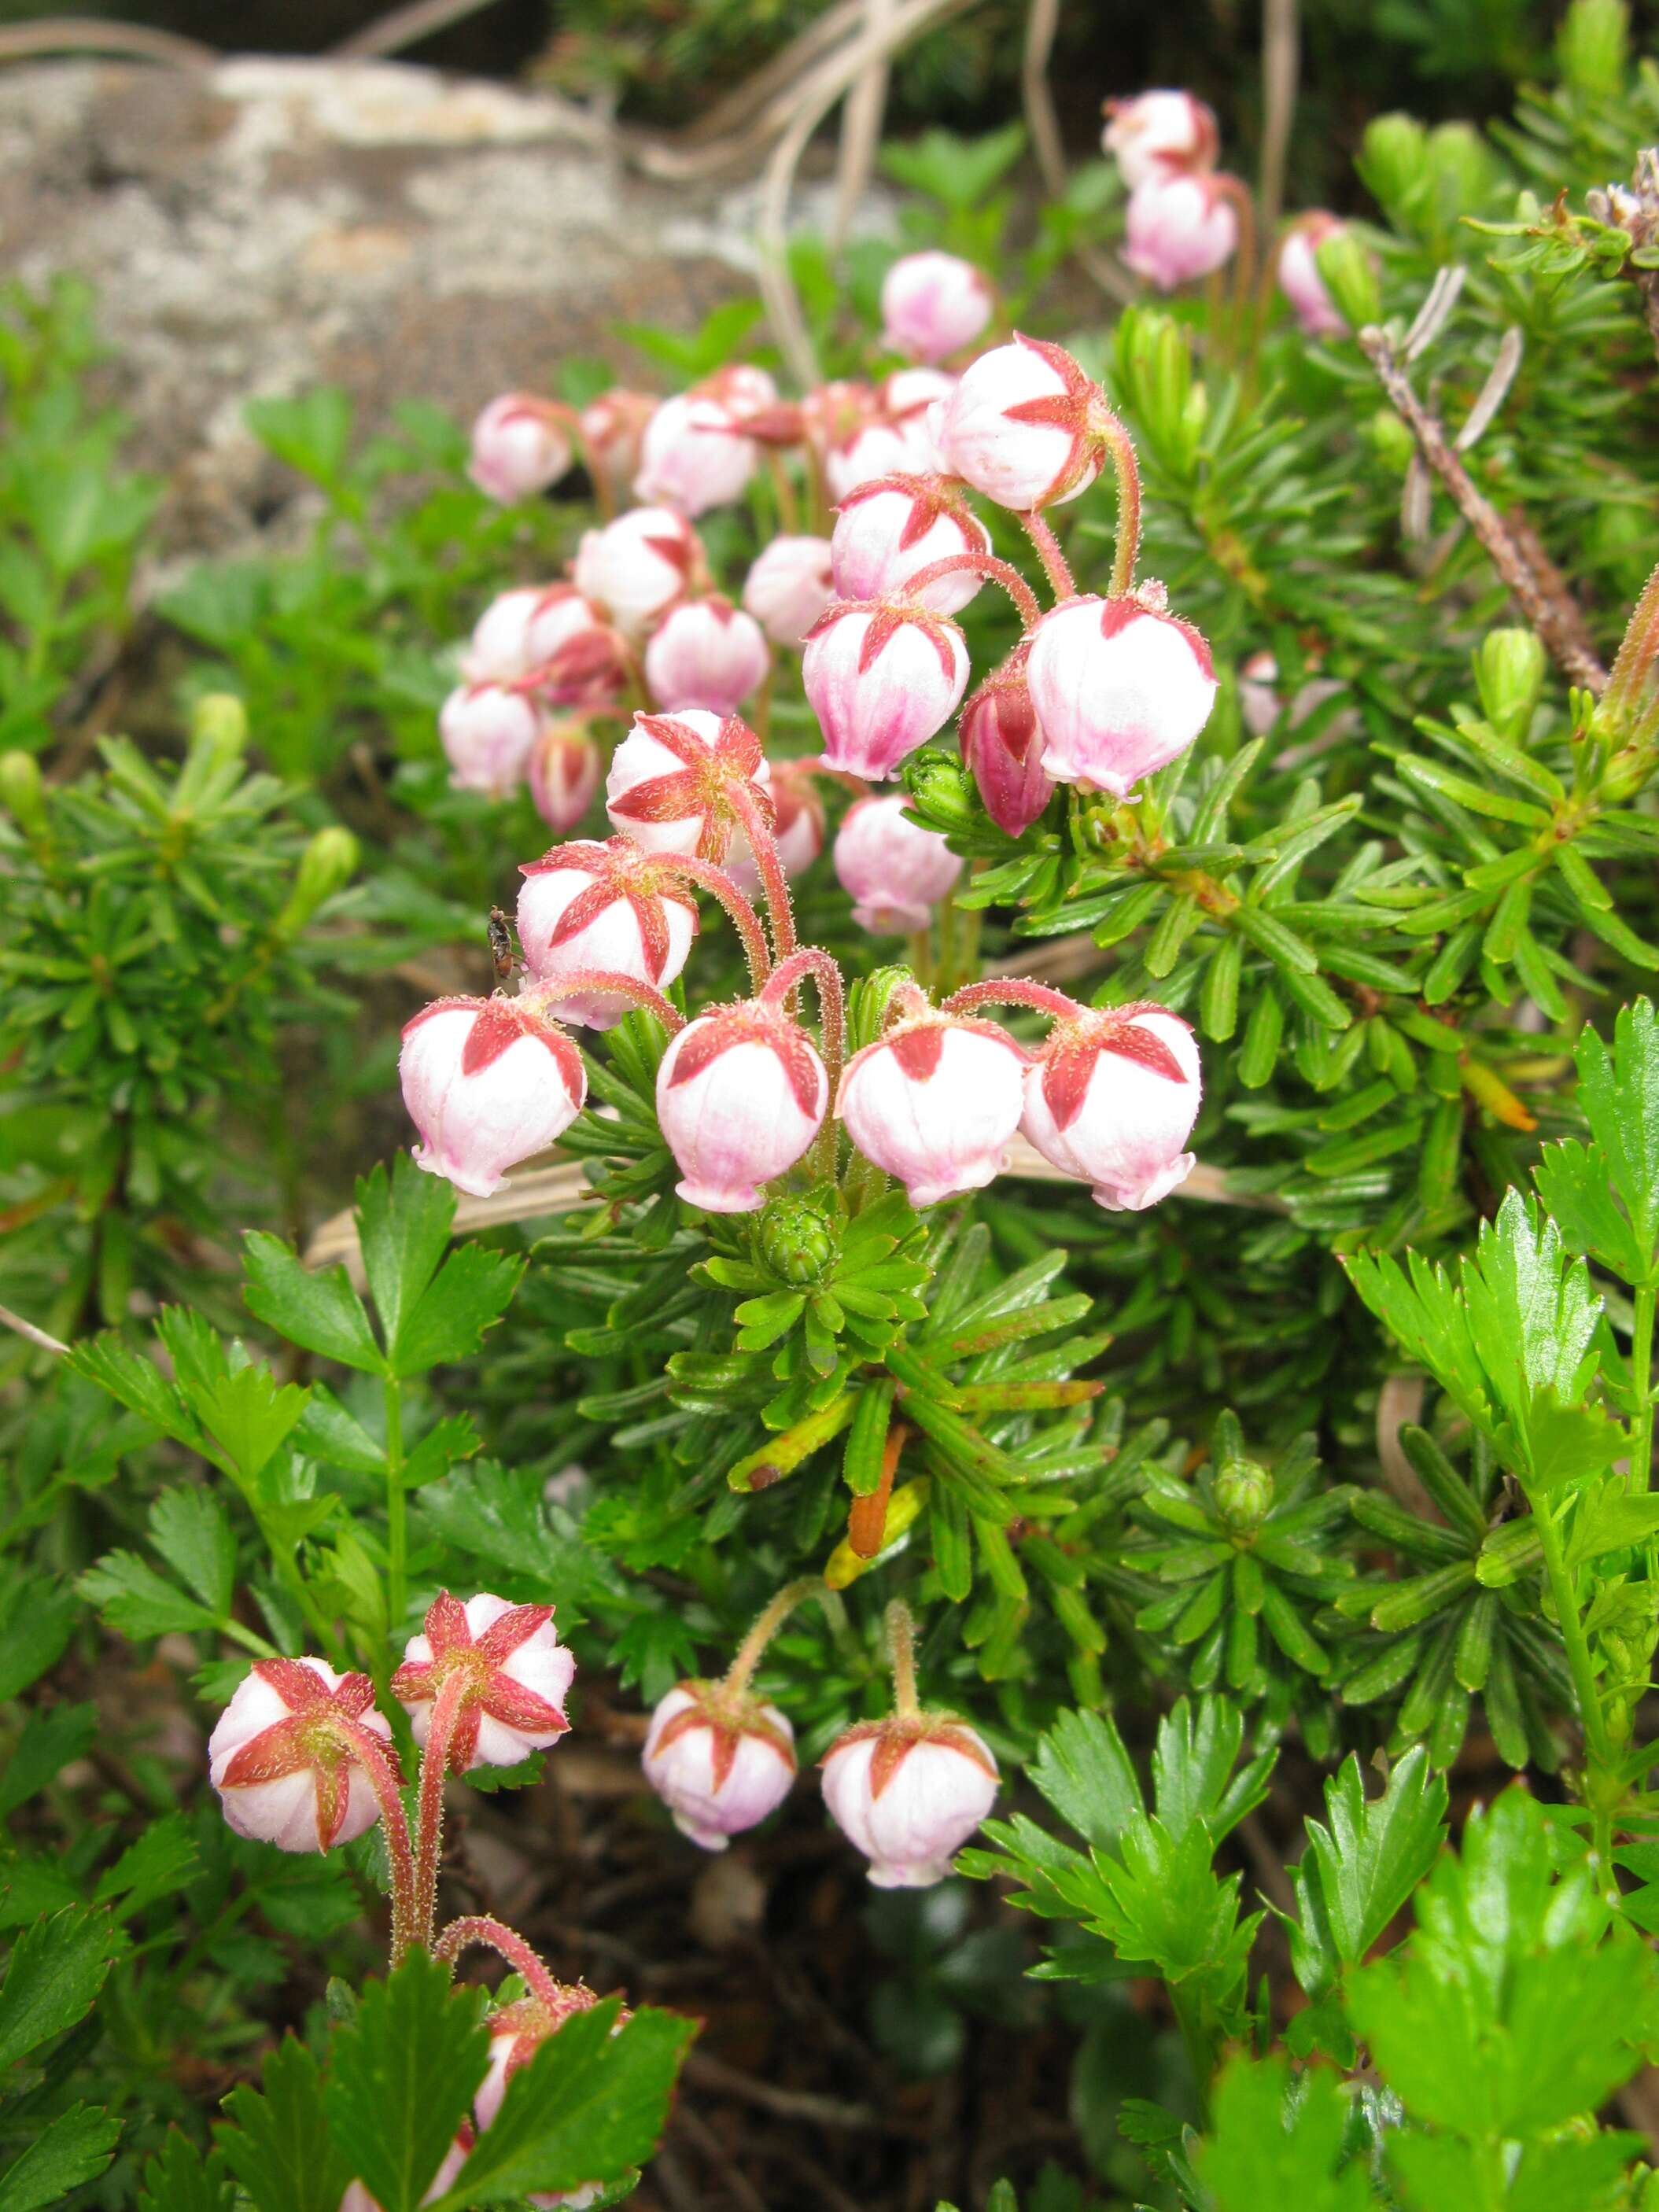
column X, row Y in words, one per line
column 605, row 905
column 883, row 676
column 500, row 1672
column 892, row 528
column 487, row 1083
column 1002, row 746
column 685, row 783
column 706, row 653
column 720, row 1759
column 1121, row 688
column 741, row 1094
column 908, row 1791
column 1112, row 1098
column 639, row 564
column 520, row 445
column 288, row 1756
column 1023, row 426
column 935, row 1101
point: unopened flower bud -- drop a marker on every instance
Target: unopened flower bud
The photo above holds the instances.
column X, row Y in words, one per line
column 1112, row 1099
column 794, row 1240
column 1509, row 673
column 517, row 2031
column 908, row 1792
column 678, row 782
column 1243, row 1494
column 285, row 1768
column 1393, row 159
column 882, row 676
column 487, row 732
column 608, row 906
column 789, row 588
column 881, row 447
column 487, row 1083
column 705, row 653
column 1160, row 134
column 936, row 1102
column 513, row 1676
column 1002, row 745
column 1019, row 426
column 892, row 528
column 218, row 722
column 1177, row 228
column 740, row 1096
column 550, row 632
column 718, row 1759
column 893, row 869
column 22, row 791
column 941, row 787
column 637, row 565
column 519, row 447
column 1299, row 277
column 326, row 866
column 1120, row 689
column 694, row 456
column 933, row 304
column 563, row 772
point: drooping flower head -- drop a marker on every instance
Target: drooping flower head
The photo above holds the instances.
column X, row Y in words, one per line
column 893, row 527
column 789, row 586
column 605, row 905
column 286, row 1771
column 893, row 869
column 679, row 783
column 488, row 1082
column 1002, row 745
column 908, row 1791
column 720, row 1759
column 933, row 304
column 1121, row 688
column 1022, row 426
column 1160, row 134
column 935, row 1101
column 487, row 731
column 563, row 771
column 705, row 653
column 639, row 564
column 883, row 677
column 1112, row 1099
column 517, row 2031
column 520, row 445
column 513, row 1671
column 1299, row 279
column 1181, row 228
column 741, row 1093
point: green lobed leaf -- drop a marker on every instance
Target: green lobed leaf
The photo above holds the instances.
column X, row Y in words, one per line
column 54, row 1974
column 1267, row 2146
column 319, row 1311
column 71, row 2150
column 276, row 2143
column 404, row 2076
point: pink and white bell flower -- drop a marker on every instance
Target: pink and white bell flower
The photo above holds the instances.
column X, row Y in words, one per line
column 1259, row 700
column 706, row 653
column 488, row 1082
column 741, row 1093
column 789, row 586
column 680, row 783
column 933, row 304
column 1121, row 688
column 634, row 568
column 1178, row 228
column 612, row 430
column 718, row 1759
column 1020, row 426
column 908, row 1792
column 1299, row 279
column 1002, row 747
column 907, row 394
column 563, row 772
column 1112, row 1099
column 894, row 871
column 487, row 731
column 881, row 447
column 357, row 2198
column 522, row 631
column 797, row 828
column 608, row 906
column 694, row 456
column 282, row 1757
column 1160, row 134
column 935, row 1101
column 520, row 445
column 517, row 2032
column 891, row 529
column 506, row 1672
column 882, row 675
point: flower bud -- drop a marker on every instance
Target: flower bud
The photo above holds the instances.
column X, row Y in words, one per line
column 563, row 772
column 740, row 1096
column 941, row 789
column 613, row 429
column 796, row 829
column 932, row 305
column 487, row 1083
column 1003, row 746
column 694, row 456
column 892, row 868
column 936, row 1102
column 517, row 2031
column 532, row 632
column 1349, row 275
column 1259, row 701
column 705, row 653
column 487, row 732
column 606, row 906
column 285, row 1768
column 718, row 1759
column 907, row 395
column 1019, row 426
column 22, row 791
column 516, row 1675
column 892, row 528
column 882, row 676
column 519, row 447
column 219, row 720
column 789, row 588
column 880, row 448
column 1299, row 277
column 326, row 866
column 637, row 565
column 1394, row 159
column 674, row 780
column 1509, row 674
column 795, row 1239
column 1120, row 689
column 1179, row 228
column 908, row 1792
column 1243, row 1494
column 1112, row 1099
column 1160, row 134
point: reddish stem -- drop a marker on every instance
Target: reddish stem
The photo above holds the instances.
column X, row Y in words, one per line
column 1014, row 991
column 495, row 1935
column 832, row 1010
column 982, row 564
column 446, row 1708
column 780, row 911
column 719, row 885
column 740, row 1673
column 383, row 1780
column 582, row 979
column 1126, row 549
column 1054, row 561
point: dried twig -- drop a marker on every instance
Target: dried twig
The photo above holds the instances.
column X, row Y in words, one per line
column 860, row 130
column 1041, row 22
column 792, row 2104
column 29, row 1332
column 91, row 34
column 1281, row 60
column 1556, row 621
column 406, row 27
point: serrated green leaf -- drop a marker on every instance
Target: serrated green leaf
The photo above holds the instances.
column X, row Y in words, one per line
column 54, row 1974
column 319, row 1311
column 278, row 2145
column 71, row 2150
column 404, row 2076
column 469, row 1294
column 191, row 1529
